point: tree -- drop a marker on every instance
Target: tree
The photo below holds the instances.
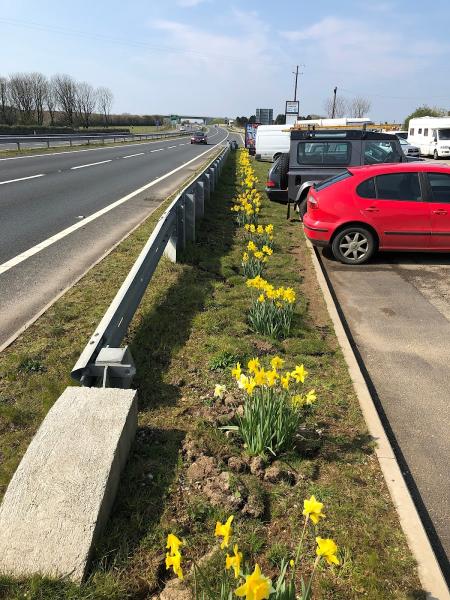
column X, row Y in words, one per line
column 359, row 107
column 7, row 115
column 241, row 121
column 280, row 120
column 105, row 100
column 21, row 91
column 50, row 101
column 65, row 91
column 86, row 102
column 252, row 119
column 340, row 107
column 424, row 111
column 39, row 90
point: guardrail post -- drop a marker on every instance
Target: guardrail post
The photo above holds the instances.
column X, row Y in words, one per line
column 177, row 240
column 18, row 146
column 207, row 194
column 48, row 143
column 212, row 179
column 190, row 216
column 199, row 200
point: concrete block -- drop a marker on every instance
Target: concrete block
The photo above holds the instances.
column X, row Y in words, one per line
column 61, row 494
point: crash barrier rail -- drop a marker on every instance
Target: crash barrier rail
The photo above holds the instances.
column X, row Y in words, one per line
column 103, row 363
column 95, row 137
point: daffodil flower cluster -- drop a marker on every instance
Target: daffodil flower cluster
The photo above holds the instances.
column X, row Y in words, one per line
column 255, row 585
column 247, row 205
column 262, row 236
column 254, row 259
column 274, row 407
column 272, row 309
column 173, row 556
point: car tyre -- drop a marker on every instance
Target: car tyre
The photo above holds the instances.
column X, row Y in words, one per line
column 353, row 245
column 303, row 208
column 435, row 155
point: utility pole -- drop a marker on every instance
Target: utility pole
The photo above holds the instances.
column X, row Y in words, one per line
column 334, row 103
column 296, row 79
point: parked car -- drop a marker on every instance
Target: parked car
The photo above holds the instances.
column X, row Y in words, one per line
column 408, row 149
column 276, row 185
column 199, row 137
column 381, row 207
column 271, row 141
column 316, row 155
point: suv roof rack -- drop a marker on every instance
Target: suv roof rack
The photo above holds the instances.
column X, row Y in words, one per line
column 339, row 133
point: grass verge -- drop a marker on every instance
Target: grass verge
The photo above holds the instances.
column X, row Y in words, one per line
column 190, row 326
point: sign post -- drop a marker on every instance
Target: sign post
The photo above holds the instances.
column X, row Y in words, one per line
column 291, row 112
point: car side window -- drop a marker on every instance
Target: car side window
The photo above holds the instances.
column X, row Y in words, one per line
column 399, row 186
column 366, row 189
column 440, row 187
column 376, row 152
column 324, row 153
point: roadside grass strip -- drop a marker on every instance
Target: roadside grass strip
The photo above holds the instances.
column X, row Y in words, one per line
column 197, row 460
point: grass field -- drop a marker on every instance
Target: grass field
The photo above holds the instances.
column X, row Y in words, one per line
column 189, row 328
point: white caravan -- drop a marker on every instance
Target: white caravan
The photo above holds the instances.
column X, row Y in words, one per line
column 272, row 141
column 431, row 135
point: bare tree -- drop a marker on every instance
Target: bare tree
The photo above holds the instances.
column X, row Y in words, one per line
column 51, row 101
column 359, row 107
column 340, row 106
column 7, row 112
column 39, row 89
column 65, row 91
column 21, row 89
column 86, row 102
column 105, row 100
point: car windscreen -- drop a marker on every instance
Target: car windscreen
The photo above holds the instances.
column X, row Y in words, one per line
column 334, row 153
column 444, row 134
column 332, row 180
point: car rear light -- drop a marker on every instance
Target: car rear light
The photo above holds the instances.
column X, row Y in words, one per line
column 313, row 202
column 270, row 183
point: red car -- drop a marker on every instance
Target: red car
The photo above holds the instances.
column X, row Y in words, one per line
column 402, row 206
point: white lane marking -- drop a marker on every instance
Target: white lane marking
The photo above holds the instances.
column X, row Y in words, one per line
column 21, row 179
column 102, row 162
column 157, row 150
column 131, row 155
column 65, row 232
column 169, row 147
column 86, row 150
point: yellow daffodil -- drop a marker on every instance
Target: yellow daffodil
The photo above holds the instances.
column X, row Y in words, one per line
column 327, row 549
column 234, row 561
column 245, row 257
column 260, row 377
column 310, row 397
column 289, row 295
column 219, row 391
column 256, row 586
column 285, row 381
column 173, row 543
column 271, row 378
column 236, row 372
column 278, row 305
column 269, row 228
column 312, row 508
column 224, row 530
column 260, row 229
column 259, row 255
column 174, row 561
column 250, row 386
column 299, row 374
column 261, row 298
column 276, row 363
column 297, row 401
column 253, row 365
column 267, row 250
column 251, row 246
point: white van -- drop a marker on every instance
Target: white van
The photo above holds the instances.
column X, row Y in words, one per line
column 431, row 135
column 272, row 141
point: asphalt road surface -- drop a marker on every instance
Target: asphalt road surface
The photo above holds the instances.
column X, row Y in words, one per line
column 398, row 311
column 61, row 212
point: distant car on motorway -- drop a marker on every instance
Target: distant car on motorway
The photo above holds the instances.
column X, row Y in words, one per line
column 361, row 210
column 409, row 149
column 199, row 137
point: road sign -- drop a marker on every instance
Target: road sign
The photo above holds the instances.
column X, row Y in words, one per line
column 292, row 107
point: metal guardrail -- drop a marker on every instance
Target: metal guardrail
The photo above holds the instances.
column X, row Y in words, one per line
column 103, row 362
column 96, row 138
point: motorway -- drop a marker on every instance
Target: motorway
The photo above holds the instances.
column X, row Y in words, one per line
column 63, row 211
column 397, row 309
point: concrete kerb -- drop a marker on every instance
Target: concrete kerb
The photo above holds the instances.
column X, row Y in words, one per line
column 429, row 570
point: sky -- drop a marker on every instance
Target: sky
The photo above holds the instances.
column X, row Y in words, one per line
column 229, row 57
